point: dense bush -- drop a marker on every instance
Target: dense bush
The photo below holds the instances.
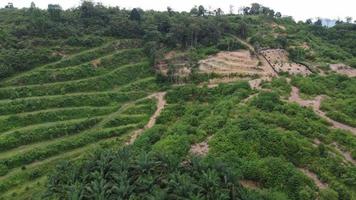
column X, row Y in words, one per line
column 135, row 174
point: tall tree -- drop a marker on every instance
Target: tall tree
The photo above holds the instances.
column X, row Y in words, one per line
column 54, row 11
column 201, row 10
column 135, row 15
column 87, row 9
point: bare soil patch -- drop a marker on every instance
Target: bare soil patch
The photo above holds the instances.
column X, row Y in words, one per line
column 314, row 177
column 249, row 184
column 278, row 26
column 343, row 69
column 347, row 155
column 174, row 63
column 256, row 83
column 200, row 149
column 96, row 63
column 279, row 60
column 237, row 62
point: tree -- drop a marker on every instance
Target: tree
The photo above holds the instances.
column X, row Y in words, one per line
column 278, row 14
column 243, row 30
column 201, row 10
column 231, row 9
column 170, row 11
column 33, row 5
column 54, row 11
column 9, row 6
column 87, row 9
column 219, row 12
column 348, row 20
column 135, row 15
column 194, row 11
column 318, row 22
column 255, row 9
column 309, row 21
column 246, row 10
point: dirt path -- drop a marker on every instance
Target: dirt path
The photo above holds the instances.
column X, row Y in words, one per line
column 161, row 102
column 315, row 104
column 314, row 177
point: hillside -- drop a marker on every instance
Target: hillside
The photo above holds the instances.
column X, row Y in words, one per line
column 109, row 103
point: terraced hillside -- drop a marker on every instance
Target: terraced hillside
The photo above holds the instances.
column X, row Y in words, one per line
column 66, row 109
column 104, row 103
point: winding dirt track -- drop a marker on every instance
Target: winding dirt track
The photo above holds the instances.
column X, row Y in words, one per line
column 315, row 104
column 161, row 102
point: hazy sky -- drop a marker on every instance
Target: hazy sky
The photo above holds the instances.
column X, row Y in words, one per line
column 299, row 9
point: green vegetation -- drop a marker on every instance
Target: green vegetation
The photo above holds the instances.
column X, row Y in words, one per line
column 340, row 103
column 78, row 86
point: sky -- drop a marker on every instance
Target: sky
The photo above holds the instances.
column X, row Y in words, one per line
column 298, row 9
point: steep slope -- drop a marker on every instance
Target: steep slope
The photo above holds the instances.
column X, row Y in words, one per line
column 66, row 109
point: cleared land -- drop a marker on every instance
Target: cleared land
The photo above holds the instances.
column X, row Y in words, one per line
column 343, row 69
column 278, row 58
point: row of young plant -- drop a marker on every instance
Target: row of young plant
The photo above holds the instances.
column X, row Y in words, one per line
column 340, row 103
column 27, row 179
column 33, row 173
column 60, row 146
column 42, row 133
column 61, row 114
column 47, row 54
column 96, row 67
column 91, row 54
column 118, row 77
column 138, row 114
column 65, row 129
column 34, row 104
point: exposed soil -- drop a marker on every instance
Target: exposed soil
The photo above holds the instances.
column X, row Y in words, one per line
column 161, row 102
column 249, row 184
column 275, row 26
column 200, row 149
column 347, row 155
column 96, row 63
column 314, row 177
column 316, row 142
column 256, row 83
column 315, row 104
column 237, row 62
column 279, row 60
column 178, row 61
column 264, row 63
column 343, row 69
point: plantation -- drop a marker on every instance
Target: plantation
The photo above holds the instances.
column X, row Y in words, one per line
column 106, row 103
